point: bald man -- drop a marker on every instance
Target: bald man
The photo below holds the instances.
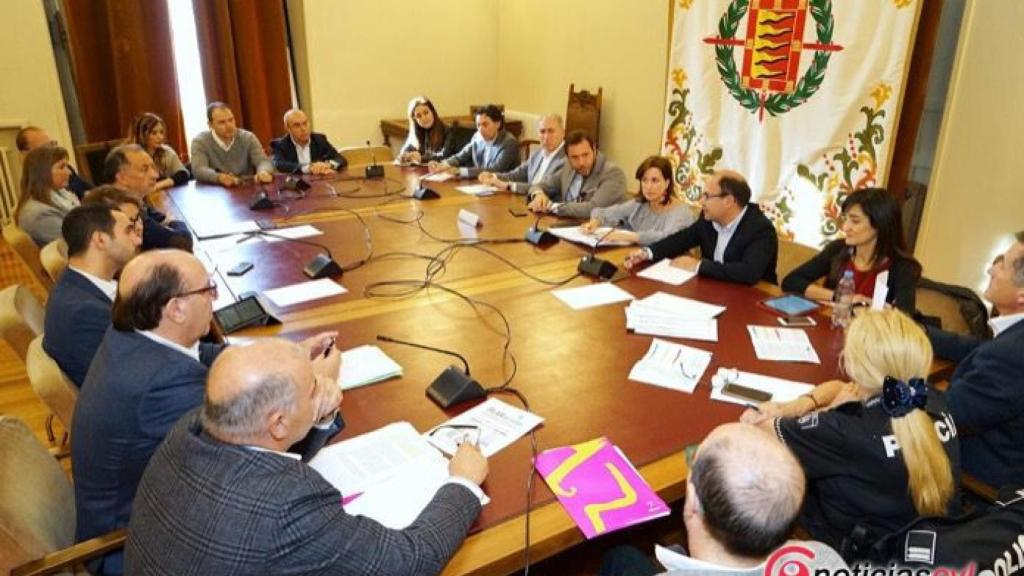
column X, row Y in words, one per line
column 149, row 370
column 275, row 515
column 743, row 494
column 302, row 151
column 737, row 241
column 131, row 169
column 546, row 161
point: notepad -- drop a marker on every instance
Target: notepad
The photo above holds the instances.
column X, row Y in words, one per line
column 664, row 271
column 671, row 365
column 304, row 292
column 499, row 424
column 592, row 295
column 782, row 344
column 365, row 365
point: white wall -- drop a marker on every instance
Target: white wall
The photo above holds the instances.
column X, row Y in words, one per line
column 976, row 196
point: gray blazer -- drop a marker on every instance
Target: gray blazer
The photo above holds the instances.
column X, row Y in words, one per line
column 472, row 155
column 41, row 221
column 605, row 186
column 519, row 179
column 206, row 507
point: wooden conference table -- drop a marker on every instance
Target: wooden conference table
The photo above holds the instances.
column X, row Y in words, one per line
column 572, row 365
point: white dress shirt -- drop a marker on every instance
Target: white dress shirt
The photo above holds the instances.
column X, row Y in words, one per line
column 999, row 324
column 192, row 352
column 303, row 154
column 108, row 287
column 545, row 163
column 725, row 235
column 225, row 146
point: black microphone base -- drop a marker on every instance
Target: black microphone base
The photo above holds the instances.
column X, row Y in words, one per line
column 424, row 193
column 322, row 266
column 375, row 171
column 539, row 237
column 596, row 267
column 260, row 201
column 453, row 387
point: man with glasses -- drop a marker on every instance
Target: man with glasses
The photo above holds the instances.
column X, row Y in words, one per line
column 547, row 160
column 229, row 456
column 737, row 242
column 130, row 168
column 148, row 371
column 101, row 239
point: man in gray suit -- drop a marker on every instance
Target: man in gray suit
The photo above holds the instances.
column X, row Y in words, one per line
column 592, row 182
column 492, row 148
column 221, row 496
column 547, row 160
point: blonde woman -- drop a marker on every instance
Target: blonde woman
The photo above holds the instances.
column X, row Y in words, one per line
column 44, row 199
column 887, row 452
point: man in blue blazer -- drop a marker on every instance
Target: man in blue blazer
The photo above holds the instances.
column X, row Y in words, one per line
column 149, row 370
column 737, row 242
column 986, row 393
column 492, row 148
column 547, row 160
column 274, row 514
column 302, row 151
column 101, row 240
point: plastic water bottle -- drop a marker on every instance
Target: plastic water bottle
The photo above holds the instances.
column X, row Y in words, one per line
column 842, row 309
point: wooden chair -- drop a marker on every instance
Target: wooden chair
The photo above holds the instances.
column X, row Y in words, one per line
column 366, row 155
column 28, row 253
column 51, row 385
column 791, row 255
column 54, row 258
column 37, row 509
column 525, row 147
column 584, row 112
column 91, row 157
column 21, row 318
column 474, row 108
column 944, row 307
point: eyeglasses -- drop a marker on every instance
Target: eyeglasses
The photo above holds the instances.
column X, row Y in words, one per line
column 211, row 287
column 707, row 196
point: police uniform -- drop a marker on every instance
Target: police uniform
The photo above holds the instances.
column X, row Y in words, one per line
column 856, row 479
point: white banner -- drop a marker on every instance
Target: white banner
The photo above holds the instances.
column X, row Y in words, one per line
column 800, row 96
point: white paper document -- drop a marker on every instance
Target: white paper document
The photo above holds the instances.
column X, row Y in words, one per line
column 304, row 292
column 782, row 344
column 477, row 189
column 680, row 307
column 651, row 322
column 881, row 291
column 497, row 424
column 664, row 271
column 671, row 365
column 438, row 177
column 295, row 232
column 779, row 389
column 365, row 365
column 574, row 234
column 597, row 294
column 207, row 228
column 233, row 241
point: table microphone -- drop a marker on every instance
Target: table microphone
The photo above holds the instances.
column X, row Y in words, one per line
column 591, row 265
column 374, row 170
column 321, row 266
column 261, row 200
column 537, row 237
column 452, row 386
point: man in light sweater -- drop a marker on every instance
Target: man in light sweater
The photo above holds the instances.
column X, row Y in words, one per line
column 224, row 153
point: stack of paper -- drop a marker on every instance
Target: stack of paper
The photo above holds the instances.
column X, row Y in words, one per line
column 390, row 474
column 671, row 365
column 782, row 344
column 597, row 294
column 599, row 487
column 665, row 272
column 230, row 242
column 662, row 314
column 477, row 189
column 494, row 423
column 304, row 292
column 779, row 389
column 574, row 234
column 365, row 365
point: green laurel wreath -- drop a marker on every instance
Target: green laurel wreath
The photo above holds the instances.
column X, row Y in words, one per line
column 821, row 11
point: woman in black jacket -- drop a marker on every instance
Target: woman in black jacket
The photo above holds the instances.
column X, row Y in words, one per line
column 872, row 243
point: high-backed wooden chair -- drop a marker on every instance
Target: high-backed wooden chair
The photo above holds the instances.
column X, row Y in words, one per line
column 584, row 112
column 366, row 155
column 50, row 383
column 37, row 510
column 21, row 318
column 525, row 147
column 27, row 251
column 54, row 258
column 91, row 157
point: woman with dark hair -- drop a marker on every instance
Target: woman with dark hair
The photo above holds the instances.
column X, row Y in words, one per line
column 654, row 213
column 44, row 199
column 149, row 131
column 872, row 243
column 429, row 138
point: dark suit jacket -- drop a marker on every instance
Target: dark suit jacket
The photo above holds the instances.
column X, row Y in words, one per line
column 77, row 316
column 77, row 184
column 986, row 398
column 750, row 256
column 252, row 513
column 286, row 159
column 903, row 273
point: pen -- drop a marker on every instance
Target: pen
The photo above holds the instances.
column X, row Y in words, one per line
column 330, row 345
column 754, row 408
